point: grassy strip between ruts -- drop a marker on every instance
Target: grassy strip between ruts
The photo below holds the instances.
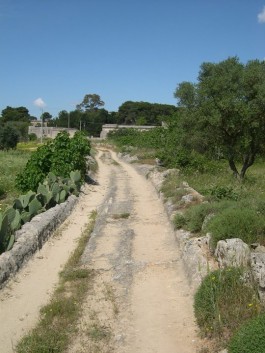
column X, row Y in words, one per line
column 58, row 318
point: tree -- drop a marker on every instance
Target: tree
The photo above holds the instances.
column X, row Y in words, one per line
column 15, row 114
column 89, row 121
column 227, row 106
column 8, row 138
column 46, row 116
column 62, row 119
column 136, row 113
column 91, row 102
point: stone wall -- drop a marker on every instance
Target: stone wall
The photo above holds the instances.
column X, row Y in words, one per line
column 50, row 132
column 32, row 236
column 111, row 127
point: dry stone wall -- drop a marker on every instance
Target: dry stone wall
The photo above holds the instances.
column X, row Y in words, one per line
column 31, row 237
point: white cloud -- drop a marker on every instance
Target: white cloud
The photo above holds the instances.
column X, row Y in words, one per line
column 39, row 102
column 261, row 16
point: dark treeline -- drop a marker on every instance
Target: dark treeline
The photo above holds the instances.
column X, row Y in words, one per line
column 89, row 116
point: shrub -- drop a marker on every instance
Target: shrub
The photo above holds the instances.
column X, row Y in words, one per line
column 195, row 215
column 179, row 221
column 142, row 139
column 223, row 192
column 250, row 337
column 60, row 156
column 242, row 223
column 69, row 154
column 223, row 301
column 36, row 169
column 8, row 137
column 32, row 137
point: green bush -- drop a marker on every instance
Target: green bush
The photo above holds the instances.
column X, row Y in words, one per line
column 223, row 301
column 9, row 137
column 33, row 137
column 69, row 154
column 60, row 156
column 142, row 139
column 195, row 215
column 223, row 192
column 36, row 169
column 242, row 223
column 250, row 338
column 179, row 221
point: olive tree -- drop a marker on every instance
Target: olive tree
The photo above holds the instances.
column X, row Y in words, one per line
column 227, row 106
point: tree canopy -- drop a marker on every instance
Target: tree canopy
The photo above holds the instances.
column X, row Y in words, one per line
column 16, row 118
column 227, row 107
column 15, row 114
column 89, row 121
column 8, row 137
column 90, row 102
column 144, row 113
column 46, row 116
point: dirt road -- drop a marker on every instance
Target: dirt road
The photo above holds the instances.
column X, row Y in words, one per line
column 141, row 301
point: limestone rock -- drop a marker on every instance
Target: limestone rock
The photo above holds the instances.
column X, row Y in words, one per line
column 232, row 252
column 193, row 255
column 31, row 237
column 188, row 198
column 258, row 267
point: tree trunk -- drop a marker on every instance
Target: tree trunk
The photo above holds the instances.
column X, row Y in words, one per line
column 248, row 161
column 233, row 168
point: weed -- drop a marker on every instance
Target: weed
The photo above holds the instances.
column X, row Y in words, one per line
column 124, row 215
column 97, row 332
column 223, row 192
column 249, row 338
column 241, row 223
column 110, row 295
column 179, row 221
column 223, row 301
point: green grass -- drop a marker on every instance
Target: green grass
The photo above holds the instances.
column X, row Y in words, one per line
column 124, row 215
column 251, row 188
column 11, row 163
column 249, row 338
column 58, row 318
column 224, row 301
column 28, row 146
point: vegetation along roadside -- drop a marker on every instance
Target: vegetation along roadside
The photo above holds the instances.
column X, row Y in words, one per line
column 52, row 173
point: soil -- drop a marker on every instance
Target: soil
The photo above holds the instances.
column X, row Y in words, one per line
column 141, row 301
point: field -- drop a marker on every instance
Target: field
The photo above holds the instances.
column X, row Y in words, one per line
column 11, row 163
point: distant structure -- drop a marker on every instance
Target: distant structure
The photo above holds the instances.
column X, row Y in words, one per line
column 112, row 127
column 50, row 132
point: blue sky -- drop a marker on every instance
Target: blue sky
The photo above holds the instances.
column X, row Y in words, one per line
column 59, row 50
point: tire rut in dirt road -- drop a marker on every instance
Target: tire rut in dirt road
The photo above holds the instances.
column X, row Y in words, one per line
column 141, row 301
